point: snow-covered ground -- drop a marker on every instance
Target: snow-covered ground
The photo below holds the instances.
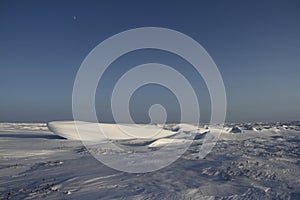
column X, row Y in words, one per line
column 250, row 161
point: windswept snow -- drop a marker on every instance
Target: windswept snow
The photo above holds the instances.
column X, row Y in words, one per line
column 167, row 141
column 95, row 131
column 260, row 162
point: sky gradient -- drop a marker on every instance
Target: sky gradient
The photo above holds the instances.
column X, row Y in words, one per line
column 255, row 44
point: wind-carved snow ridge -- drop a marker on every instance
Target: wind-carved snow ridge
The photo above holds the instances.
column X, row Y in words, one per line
column 261, row 161
column 94, row 131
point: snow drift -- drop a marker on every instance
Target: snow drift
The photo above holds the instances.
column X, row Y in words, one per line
column 102, row 131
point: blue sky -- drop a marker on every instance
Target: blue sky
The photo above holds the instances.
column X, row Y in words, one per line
column 255, row 44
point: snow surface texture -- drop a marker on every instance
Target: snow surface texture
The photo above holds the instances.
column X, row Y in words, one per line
column 250, row 161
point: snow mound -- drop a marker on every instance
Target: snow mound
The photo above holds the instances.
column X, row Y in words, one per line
column 235, row 129
column 92, row 131
column 167, row 141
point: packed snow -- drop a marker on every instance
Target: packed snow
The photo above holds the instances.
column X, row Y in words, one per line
column 92, row 131
column 250, row 161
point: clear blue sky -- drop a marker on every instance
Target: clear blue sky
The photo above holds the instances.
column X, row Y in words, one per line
column 255, row 44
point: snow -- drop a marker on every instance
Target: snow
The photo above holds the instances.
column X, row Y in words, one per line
column 235, row 130
column 93, row 131
column 167, row 141
column 254, row 164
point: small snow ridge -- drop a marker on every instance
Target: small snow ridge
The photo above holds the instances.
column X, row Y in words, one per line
column 235, row 129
